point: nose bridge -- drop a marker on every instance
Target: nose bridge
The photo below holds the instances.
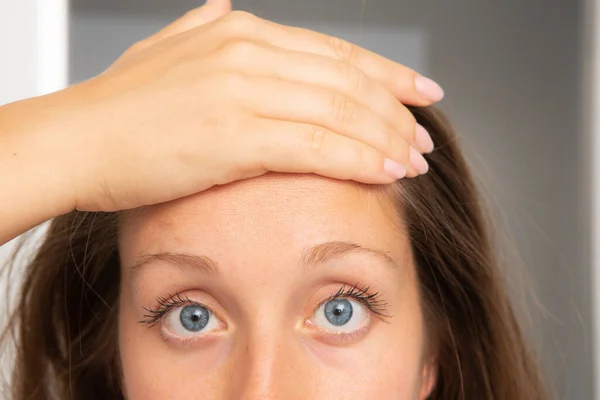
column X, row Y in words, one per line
column 267, row 364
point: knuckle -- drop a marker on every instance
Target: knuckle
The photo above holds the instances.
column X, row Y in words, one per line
column 389, row 139
column 408, row 123
column 238, row 49
column 343, row 110
column 215, row 121
column 343, row 49
column 402, row 152
column 193, row 13
column 191, row 18
column 241, row 22
column 188, row 15
column 317, row 139
column 410, row 118
column 355, row 78
column 138, row 46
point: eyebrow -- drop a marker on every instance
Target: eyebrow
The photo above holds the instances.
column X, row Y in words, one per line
column 325, row 252
column 316, row 255
column 201, row 263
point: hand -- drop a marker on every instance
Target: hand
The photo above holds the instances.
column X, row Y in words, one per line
column 220, row 96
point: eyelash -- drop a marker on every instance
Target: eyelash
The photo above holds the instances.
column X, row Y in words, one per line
column 361, row 294
column 164, row 305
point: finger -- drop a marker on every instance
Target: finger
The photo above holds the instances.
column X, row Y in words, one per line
column 292, row 101
column 285, row 146
column 408, row 86
column 211, row 10
column 261, row 59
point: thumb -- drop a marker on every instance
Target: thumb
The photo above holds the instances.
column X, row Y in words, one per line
column 211, row 10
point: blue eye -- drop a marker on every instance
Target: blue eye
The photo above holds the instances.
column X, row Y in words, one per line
column 340, row 315
column 190, row 319
column 338, row 311
column 194, row 317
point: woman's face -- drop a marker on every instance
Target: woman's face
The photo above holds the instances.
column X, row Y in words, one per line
column 278, row 287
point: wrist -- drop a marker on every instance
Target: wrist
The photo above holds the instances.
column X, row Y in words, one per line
column 33, row 163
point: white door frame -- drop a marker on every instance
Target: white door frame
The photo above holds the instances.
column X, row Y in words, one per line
column 591, row 124
column 33, row 47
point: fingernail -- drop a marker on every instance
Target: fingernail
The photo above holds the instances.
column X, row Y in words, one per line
column 423, row 139
column 394, row 169
column 428, row 88
column 418, row 161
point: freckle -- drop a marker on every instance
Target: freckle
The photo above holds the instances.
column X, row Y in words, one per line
column 14, row 154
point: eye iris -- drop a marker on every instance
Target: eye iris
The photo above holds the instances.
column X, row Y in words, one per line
column 338, row 311
column 194, row 318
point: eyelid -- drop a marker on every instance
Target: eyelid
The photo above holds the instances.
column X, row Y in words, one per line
column 341, row 338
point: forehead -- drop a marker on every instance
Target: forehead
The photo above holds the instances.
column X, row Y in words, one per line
column 279, row 212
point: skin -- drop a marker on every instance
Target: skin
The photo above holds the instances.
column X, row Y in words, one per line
column 269, row 342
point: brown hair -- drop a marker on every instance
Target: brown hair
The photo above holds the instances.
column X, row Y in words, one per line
column 65, row 321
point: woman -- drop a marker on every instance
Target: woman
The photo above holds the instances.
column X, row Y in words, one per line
column 179, row 278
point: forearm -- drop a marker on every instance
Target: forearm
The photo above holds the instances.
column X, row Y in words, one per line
column 33, row 180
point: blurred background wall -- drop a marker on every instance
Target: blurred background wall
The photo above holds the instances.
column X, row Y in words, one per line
column 515, row 80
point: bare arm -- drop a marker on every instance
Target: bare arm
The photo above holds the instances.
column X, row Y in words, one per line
column 33, row 186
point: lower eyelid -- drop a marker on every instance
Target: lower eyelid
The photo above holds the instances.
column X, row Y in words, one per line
column 190, row 340
column 339, row 338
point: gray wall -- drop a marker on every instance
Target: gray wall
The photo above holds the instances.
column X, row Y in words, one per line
column 511, row 74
